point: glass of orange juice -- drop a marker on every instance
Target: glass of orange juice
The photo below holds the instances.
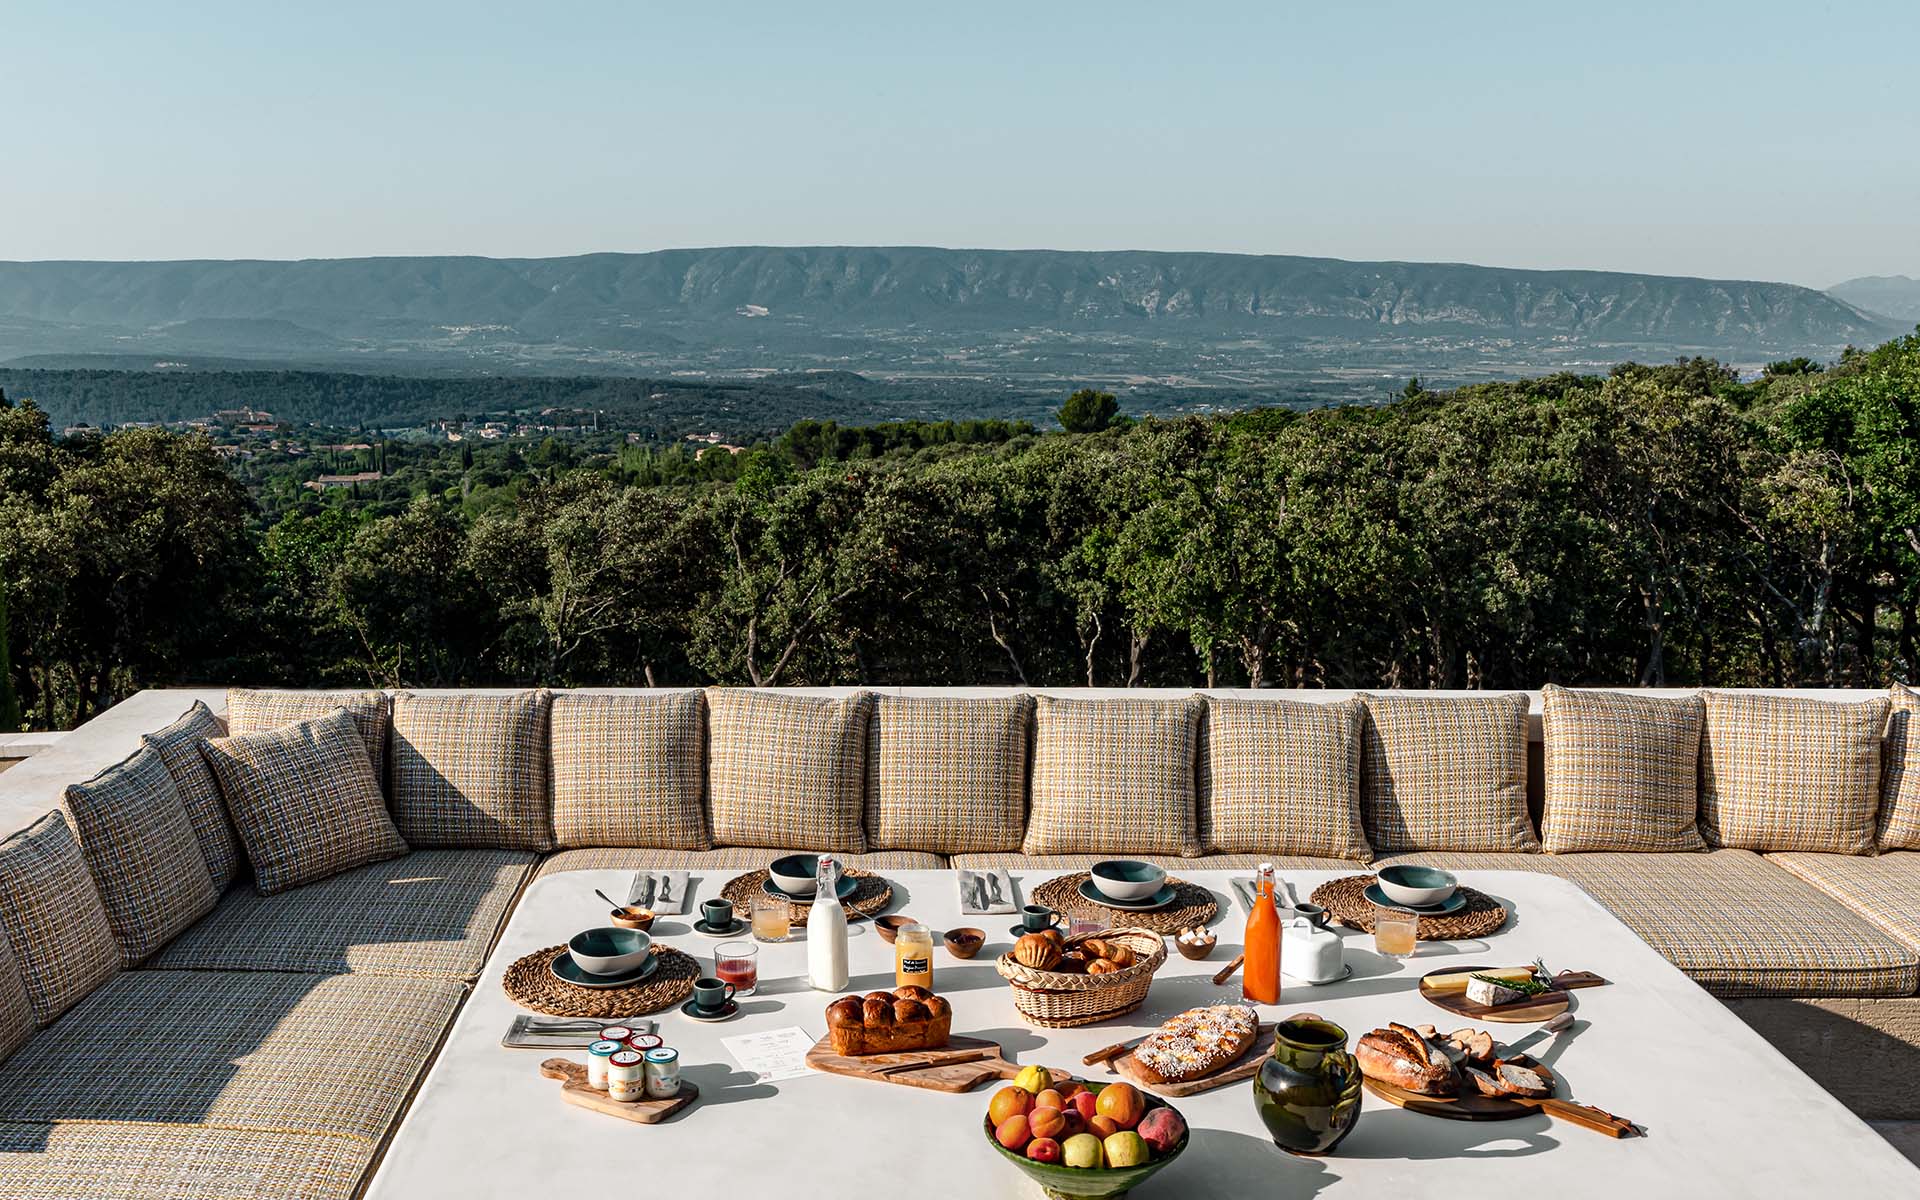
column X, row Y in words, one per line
column 1395, row 930
column 772, row 919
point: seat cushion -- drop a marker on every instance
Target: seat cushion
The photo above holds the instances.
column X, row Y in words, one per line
column 431, row 914
column 1115, row 775
column 1622, row 772
column 178, row 746
column 785, row 770
column 141, row 850
column 1885, row 890
column 1282, row 777
column 304, row 800
column 54, row 921
column 948, row 775
column 1791, row 773
column 733, row 859
column 150, row 1161
column 334, row 1054
column 1899, row 822
column 1445, row 773
column 251, row 711
column 16, row 1009
column 630, row 771
column 471, row 770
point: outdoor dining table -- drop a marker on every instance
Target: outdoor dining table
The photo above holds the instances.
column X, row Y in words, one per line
column 1725, row 1114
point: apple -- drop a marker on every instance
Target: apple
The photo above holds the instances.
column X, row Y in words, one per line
column 1075, row 1123
column 1009, row 1102
column 1051, row 1098
column 1125, row 1149
column 1046, row 1122
column 1161, row 1129
column 1081, row 1150
column 1013, row 1132
column 1044, row 1150
column 1102, row 1126
column 1085, row 1103
column 1121, row 1104
column 1034, row 1079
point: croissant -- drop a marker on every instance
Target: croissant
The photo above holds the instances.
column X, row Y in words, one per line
column 1036, row 951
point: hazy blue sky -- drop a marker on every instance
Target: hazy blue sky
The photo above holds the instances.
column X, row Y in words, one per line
column 1751, row 140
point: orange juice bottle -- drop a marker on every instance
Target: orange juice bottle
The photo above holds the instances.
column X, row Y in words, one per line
column 913, row 957
column 1260, row 975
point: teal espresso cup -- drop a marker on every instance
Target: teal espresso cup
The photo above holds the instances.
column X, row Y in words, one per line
column 1038, row 918
column 719, row 914
column 711, row 995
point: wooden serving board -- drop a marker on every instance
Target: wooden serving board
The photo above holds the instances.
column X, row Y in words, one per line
column 1244, row 1067
column 1476, row 1107
column 961, row 1065
column 1544, row 1007
column 574, row 1090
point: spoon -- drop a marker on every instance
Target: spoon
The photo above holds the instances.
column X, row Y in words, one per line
column 609, row 900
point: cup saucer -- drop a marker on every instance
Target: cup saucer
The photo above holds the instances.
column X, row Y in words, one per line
column 692, row 1010
column 738, row 927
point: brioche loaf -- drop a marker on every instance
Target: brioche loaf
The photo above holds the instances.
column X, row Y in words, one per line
column 908, row 1018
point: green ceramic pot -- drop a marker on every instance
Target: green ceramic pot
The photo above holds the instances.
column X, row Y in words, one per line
column 1088, row 1183
column 1308, row 1090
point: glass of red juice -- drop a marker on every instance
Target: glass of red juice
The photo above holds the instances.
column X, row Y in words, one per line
column 737, row 963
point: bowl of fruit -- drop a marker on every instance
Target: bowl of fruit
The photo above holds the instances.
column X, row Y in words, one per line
column 1083, row 1139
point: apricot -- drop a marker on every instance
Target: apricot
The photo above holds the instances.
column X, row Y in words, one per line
column 1044, row 1150
column 1045, row 1121
column 1102, row 1127
column 1009, row 1102
column 1050, row 1098
column 1121, row 1104
column 1069, row 1088
column 1013, row 1132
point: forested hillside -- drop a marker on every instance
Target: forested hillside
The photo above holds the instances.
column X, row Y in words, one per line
column 1656, row 525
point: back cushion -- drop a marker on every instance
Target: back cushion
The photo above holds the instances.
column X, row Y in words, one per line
column 787, row 772
column 251, row 711
column 1622, row 771
column 16, row 1010
column 178, row 746
column 1791, row 773
column 948, row 776
column 630, row 771
column 304, row 800
column 1899, row 827
column 471, row 770
column 1115, row 777
column 55, row 924
column 1446, row 773
column 1282, row 777
column 139, row 845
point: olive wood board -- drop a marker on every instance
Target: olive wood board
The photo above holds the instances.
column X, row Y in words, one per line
column 959, row 1066
column 1543, row 1007
column 1476, row 1107
column 1244, row 1067
column 574, row 1090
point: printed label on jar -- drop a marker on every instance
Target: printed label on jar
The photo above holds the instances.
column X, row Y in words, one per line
column 916, row 966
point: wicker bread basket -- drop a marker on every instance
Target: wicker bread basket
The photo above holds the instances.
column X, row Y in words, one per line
column 1062, row 1000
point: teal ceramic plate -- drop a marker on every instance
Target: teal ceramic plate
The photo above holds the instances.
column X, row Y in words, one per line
column 1453, row 903
column 1160, row 899
column 567, row 971
column 693, row 1011
column 737, row 929
column 847, row 886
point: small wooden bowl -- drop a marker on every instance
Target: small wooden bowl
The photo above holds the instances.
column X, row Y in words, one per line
column 632, row 917
column 1195, row 951
column 964, row 942
column 889, row 927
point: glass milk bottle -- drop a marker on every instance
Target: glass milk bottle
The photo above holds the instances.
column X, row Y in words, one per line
column 827, row 931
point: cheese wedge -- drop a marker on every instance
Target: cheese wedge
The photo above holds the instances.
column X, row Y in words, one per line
column 1491, row 994
column 1457, row 982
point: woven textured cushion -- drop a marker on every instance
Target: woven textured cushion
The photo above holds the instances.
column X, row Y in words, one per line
column 1115, row 777
column 630, row 771
column 1884, row 889
column 431, row 914
column 471, row 770
column 948, row 775
column 16, row 1009
column 1282, row 777
column 1174, row 863
column 1790, row 773
column 1899, row 824
column 1622, row 771
column 304, row 800
column 54, row 921
column 139, row 846
column 250, row 711
column 785, row 770
column 190, row 1162
column 1445, row 773
column 732, row 860
column 330, row 1054
column 178, row 746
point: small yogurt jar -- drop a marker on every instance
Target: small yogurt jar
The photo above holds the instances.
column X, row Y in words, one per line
column 597, row 1056
column 626, row 1076
column 663, row 1073
column 615, row 1033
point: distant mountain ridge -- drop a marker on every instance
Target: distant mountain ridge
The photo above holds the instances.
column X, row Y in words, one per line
column 861, row 308
column 1896, row 296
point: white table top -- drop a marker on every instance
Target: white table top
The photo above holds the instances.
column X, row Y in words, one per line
column 1726, row 1114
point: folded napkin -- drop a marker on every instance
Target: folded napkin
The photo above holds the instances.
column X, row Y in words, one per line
column 1243, row 888
column 986, row 891
column 664, row 892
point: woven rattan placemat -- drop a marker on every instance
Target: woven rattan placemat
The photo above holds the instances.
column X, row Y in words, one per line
column 1346, row 902
column 530, row 983
column 1192, row 905
column 868, row 899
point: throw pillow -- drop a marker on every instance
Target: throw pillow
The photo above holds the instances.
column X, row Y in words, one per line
column 54, row 922
column 787, row 771
column 471, row 770
column 1282, row 777
column 1785, row 773
column 178, row 746
column 1115, row 777
column 948, row 775
column 250, row 711
column 16, row 1008
column 1899, row 827
column 630, row 771
column 1622, row 771
column 1446, row 773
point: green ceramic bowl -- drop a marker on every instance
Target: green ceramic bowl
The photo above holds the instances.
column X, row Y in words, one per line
column 1059, row 1180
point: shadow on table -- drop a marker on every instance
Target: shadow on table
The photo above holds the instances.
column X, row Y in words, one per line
column 721, row 1084
column 1395, row 1133
column 1234, row 1166
column 1014, row 1040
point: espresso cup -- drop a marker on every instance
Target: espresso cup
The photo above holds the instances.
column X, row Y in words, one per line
column 1313, row 913
column 1037, row 918
column 711, row 995
column 719, row 914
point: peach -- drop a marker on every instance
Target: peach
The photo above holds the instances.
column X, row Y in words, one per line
column 1046, row 1121
column 1013, row 1132
column 1121, row 1104
column 1086, row 1103
column 1050, row 1098
column 1044, row 1150
column 1009, row 1102
column 1162, row 1129
column 1075, row 1123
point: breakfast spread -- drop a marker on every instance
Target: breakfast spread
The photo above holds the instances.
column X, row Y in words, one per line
column 908, row 1018
column 1421, row 1061
column 1197, row 1041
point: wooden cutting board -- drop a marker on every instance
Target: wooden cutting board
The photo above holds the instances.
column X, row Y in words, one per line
column 1476, row 1107
column 961, row 1065
column 574, row 1090
column 1244, row 1067
column 1544, row 1007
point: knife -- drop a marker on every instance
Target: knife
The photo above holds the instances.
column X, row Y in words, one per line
column 1559, row 1024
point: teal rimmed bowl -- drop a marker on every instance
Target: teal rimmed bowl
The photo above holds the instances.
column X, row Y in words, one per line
column 1127, row 880
column 1091, row 1183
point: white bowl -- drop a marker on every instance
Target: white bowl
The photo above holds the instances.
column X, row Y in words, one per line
column 1417, row 886
column 1127, row 880
column 610, row 950
column 795, row 874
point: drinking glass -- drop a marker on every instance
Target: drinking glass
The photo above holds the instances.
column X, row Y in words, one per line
column 1395, row 930
column 772, row 918
column 737, row 963
column 1078, row 926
